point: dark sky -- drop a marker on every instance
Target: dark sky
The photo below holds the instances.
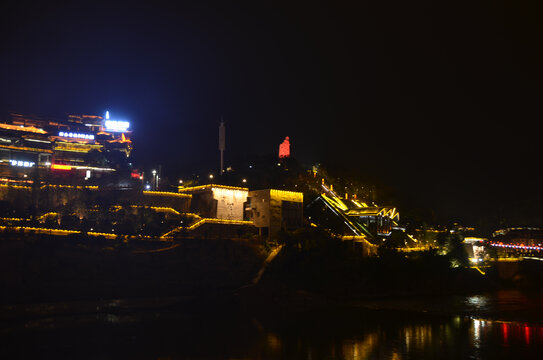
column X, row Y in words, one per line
column 440, row 100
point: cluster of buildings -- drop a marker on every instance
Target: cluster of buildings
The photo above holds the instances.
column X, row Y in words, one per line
column 269, row 210
column 80, row 150
column 78, row 147
column 72, row 159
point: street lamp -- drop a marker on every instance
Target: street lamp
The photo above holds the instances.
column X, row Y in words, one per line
column 155, row 179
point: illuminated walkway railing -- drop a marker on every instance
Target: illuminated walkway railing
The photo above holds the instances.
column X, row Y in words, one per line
column 166, row 193
column 155, row 208
column 202, row 221
column 40, row 230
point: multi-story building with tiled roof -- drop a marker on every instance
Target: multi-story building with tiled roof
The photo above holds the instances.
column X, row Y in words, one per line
column 78, row 146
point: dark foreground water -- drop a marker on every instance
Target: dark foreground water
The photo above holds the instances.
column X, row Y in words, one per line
column 503, row 325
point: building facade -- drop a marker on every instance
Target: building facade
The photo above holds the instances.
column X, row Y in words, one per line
column 217, row 201
column 274, row 210
column 78, row 146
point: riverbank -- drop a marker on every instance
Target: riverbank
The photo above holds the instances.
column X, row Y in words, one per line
column 55, row 269
column 43, row 268
column 333, row 273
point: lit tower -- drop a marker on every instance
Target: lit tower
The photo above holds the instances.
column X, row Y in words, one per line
column 222, row 143
column 284, row 148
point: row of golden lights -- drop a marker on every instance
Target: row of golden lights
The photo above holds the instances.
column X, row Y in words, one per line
column 88, row 187
column 166, row 236
column 181, row 193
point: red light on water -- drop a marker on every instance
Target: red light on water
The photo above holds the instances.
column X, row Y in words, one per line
column 527, row 334
column 505, row 332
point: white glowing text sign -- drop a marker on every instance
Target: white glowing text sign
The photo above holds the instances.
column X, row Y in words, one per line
column 76, row 135
column 22, row 163
column 120, row 126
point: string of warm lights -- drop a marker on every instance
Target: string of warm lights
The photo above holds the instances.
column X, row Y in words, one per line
column 49, row 231
column 287, row 195
column 203, row 221
column 521, row 246
column 202, row 187
column 165, row 193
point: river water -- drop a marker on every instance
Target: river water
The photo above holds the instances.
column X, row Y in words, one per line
column 500, row 325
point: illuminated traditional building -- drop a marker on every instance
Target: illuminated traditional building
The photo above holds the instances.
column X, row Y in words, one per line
column 217, row 201
column 275, row 210
column 79, row 145
column 269, row 210
column 475, row 248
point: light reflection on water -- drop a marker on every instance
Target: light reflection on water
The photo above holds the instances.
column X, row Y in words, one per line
column 346, row 333
column 484, row 339
column 478, row 301
column 383, row 335
column 459, row 337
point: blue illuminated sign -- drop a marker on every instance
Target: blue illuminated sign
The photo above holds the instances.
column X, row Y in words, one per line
column 76, row 135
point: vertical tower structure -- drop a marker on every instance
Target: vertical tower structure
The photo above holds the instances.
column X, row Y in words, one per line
column 222, row 143
column 284, row 148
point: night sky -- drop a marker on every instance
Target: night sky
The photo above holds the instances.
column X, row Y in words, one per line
column 438, row 100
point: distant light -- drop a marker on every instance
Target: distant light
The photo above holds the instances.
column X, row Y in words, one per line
column 107, row 114
column 244, row 180
column 153, row 172
column 211, row 176
column 180, row 181
column 147, row 187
